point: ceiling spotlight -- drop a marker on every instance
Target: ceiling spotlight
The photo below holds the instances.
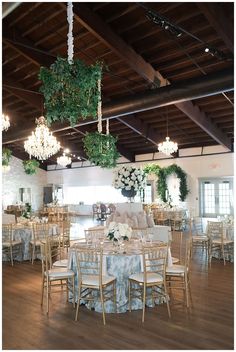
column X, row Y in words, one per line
column 79, row 158
column 66, row 150
column 214, row 52
column 164, row 23
column 73, row 155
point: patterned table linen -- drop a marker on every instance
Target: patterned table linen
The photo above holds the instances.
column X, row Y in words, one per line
column 121, row 266
column 24, row 233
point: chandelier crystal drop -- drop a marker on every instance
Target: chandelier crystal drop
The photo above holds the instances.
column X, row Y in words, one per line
column 168, row 147
column 41, row 144
column 5, row 122
column 64, row 160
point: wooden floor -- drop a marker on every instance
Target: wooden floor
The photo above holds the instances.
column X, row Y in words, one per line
column 208, row 325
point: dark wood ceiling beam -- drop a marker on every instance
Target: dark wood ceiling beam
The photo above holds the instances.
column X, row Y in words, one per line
column 26, row 48
column 200, row 118
column 141, row 128
column 92, row 22
column 220, row 21
column 35, row 100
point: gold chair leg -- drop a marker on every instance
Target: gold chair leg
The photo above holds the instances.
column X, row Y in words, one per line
column 144, row 302
column 73, row 289
column 186, row 290
column 129, row 296
column 47, row 307
column 167, row 300
column 78, row 303
column 103, row 309
column 11, row 255
column 33, row 254
column 114, row 295
column 223, row 253
column 42, row 291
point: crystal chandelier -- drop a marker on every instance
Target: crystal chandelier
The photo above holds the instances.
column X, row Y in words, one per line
column 41, row 144
column 167, row 147
column 64, row 160
column 5, row 122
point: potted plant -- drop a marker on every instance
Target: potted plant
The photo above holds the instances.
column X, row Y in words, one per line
column 30, row 166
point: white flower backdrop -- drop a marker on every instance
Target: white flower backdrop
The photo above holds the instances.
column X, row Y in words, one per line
column 129, row 177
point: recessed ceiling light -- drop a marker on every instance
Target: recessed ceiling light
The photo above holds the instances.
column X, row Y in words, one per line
column 66, row 150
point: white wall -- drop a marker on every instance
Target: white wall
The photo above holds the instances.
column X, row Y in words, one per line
column 16, row 178
column 216, row 165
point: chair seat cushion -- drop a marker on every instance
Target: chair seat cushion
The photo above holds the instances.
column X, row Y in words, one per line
column 59, row 273
column 93, row 280
column 225, row 242
column 175, row 270
column 151, row 277
column 175, row 260
column 61, row 263
column 14, row 243
column 200, row 238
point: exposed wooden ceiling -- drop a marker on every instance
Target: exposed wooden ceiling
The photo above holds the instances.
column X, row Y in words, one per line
column 141, row 57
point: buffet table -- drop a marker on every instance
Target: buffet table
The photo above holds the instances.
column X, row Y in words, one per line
column 121, row 265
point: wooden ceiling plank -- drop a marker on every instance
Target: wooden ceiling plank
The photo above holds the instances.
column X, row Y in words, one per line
column 35, row 100
column 200, row 118
column 26, row 48
column 218, row 19
column 92, row 22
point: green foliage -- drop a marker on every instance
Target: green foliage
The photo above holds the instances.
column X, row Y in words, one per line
column 101, row 149
column 30, row 166
column 152, row 169
column 70, row 90
column 6, row 156
column 27, row 212
column 162, row 174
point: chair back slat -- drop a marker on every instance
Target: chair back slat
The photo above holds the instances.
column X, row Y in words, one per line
column 7, row 233
column 155, row 258
column 89, row 262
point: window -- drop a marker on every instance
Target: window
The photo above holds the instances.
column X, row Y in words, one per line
column 216, row 197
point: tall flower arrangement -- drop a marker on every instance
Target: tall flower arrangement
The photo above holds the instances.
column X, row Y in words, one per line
column 129, row 178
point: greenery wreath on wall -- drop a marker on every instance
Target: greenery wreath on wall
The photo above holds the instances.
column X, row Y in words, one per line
column 101, row 149
column 70, row 90
column 30, row 166
column 162, row 174
column 162, row 185
column 6, row 156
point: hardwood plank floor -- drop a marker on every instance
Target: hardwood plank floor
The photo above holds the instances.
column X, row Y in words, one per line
column 208, row 324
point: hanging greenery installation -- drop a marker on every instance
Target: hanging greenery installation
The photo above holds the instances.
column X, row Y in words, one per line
column 101, row 149
column 6, row 156
column 70, row 90
column 30, row 166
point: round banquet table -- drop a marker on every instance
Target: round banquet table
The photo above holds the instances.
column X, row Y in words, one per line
column 24, row 233
column 121, row 266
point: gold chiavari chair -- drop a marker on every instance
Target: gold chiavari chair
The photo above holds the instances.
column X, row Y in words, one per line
column 139, row 233
column 217, row 241
column 95, row 234
column 65, row 234
column 90, row 278
column 10, row 247
column 177, row 275
column 40, row 233
column 54, row 277
column 198, row 238
column 153, row 276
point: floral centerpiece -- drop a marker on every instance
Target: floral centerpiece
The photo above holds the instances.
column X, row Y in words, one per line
column 130, row 180
column 117, row 232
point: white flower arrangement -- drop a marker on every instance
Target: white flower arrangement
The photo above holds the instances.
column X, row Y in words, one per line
column 118, row 231
column 129, row 177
